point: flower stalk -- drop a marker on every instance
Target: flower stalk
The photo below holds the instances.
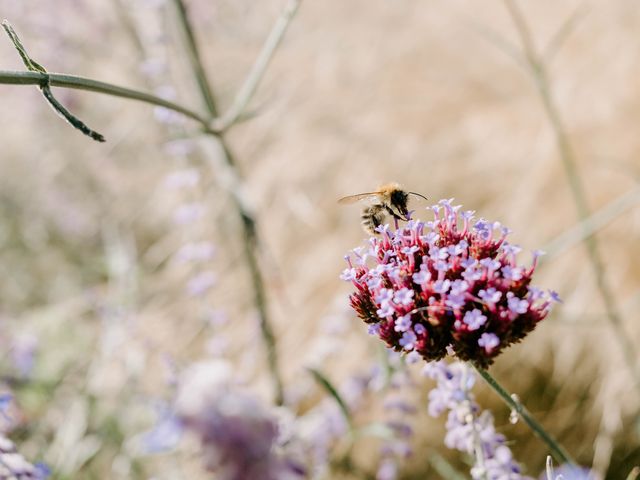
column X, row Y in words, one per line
column 557, row 450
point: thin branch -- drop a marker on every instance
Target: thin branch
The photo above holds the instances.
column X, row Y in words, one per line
column 250, row 85
column 251, row 245
column 229, row 175
column 74, row 121
column 88, row 84
column 569, row 163
column 497, row 40
column 565, row 30
column 195, row 60
column 559, row 453
column 45, row 86
column 589, row 226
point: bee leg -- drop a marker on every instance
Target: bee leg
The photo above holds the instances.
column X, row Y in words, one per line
column 395, row 216
column 372, row 217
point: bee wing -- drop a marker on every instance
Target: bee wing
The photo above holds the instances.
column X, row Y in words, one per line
column 356, row 198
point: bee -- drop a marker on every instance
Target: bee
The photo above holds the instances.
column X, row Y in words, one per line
column 390, row 199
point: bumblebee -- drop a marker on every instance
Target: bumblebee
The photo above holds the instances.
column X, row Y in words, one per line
column 389, row 198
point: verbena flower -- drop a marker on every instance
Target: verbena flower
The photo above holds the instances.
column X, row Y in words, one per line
column 469, row 429
column 426, row 286
column 238, row 435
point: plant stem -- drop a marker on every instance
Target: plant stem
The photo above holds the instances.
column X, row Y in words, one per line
column 568, row 158
column 559, row 453
column 88, row 84
column 233, row 183
column 259, row 68
column 195, row 59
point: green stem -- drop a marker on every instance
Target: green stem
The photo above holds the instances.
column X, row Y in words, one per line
column 88, row 84
column 559, row 453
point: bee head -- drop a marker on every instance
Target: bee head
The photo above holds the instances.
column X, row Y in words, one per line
column 398, row 204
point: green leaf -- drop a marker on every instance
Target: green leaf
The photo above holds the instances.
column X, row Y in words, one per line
column 326, row 384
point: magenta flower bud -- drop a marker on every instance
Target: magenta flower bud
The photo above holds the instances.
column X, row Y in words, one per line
column 450, row 282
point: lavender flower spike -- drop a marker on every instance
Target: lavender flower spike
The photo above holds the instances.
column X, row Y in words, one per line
column 469, row 429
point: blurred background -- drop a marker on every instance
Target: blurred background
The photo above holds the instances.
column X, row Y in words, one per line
column 123, row 262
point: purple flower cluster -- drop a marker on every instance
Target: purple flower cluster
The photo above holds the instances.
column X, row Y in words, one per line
column 468, row 429
column 239, row 437
column 426, row 286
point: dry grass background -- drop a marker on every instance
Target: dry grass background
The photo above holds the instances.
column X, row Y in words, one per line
column 361, row 92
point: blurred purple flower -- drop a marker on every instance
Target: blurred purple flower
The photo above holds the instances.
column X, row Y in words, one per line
column 6, row 399
column 388, row 470
column 166, row 433
column 23, row 351
column 196, row 252
column 568, row 472
column 444, row 283
column 188, row 213
column 153, row 67
column 201, row 283
column 239, row 437
column 182, row 179
column 399, row 411
column 165, row 115
column 179, row 148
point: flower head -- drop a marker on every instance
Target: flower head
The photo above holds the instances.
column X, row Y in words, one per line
column 448, row 282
